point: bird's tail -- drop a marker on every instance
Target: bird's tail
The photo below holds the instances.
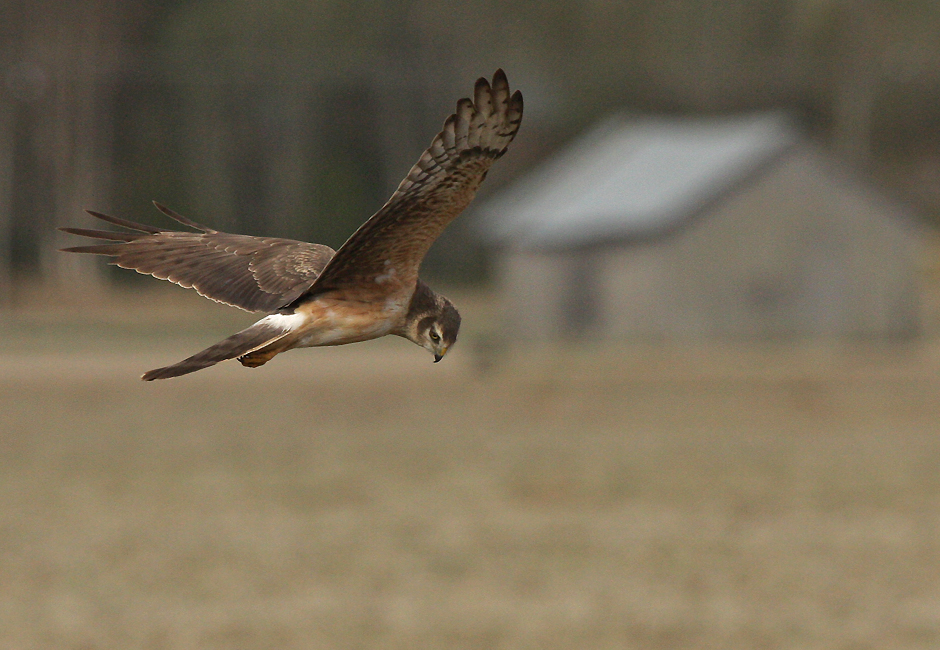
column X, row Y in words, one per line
column 263, row 333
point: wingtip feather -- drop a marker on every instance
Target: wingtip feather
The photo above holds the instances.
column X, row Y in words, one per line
column 97, row 249
column 124, row 223
column 500, row 82
column 515, row 102
column 176, row 216
column 482, row 95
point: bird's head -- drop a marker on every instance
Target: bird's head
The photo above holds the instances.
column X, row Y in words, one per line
column 432, row 322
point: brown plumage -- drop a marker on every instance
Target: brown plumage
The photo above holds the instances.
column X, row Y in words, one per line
column 316, row 296
column 254, row 273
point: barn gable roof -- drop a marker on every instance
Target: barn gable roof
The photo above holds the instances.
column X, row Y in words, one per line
column 632, row 178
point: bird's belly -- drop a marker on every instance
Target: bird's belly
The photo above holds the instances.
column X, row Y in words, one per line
column 336, row 322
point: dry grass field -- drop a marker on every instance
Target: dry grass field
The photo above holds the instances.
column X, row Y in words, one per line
column 666, row 498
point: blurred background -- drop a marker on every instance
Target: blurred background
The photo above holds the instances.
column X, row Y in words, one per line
column 695, row 400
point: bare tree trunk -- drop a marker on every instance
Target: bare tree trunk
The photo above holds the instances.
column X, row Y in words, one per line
column 73, row 145
column 6, row 201
column 207, row 143
column 288, row 166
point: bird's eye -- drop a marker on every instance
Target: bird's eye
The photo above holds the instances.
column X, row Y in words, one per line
column 434, row 337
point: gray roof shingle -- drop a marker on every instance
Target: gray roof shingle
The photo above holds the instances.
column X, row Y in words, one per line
column 632, row 178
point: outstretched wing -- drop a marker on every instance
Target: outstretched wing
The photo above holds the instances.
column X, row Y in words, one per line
column 254, row 273
column 437, row 189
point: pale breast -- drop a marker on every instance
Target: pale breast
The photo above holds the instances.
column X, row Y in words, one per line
column 330, row 320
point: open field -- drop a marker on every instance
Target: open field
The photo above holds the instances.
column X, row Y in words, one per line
column 363, row 497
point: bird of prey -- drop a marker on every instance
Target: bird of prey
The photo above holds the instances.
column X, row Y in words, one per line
column 313, row 295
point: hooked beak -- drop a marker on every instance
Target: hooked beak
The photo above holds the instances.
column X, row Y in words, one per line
column 438, row 357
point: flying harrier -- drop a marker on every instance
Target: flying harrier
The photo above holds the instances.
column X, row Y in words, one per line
column 312, row 294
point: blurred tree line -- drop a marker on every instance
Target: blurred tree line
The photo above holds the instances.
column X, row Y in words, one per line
column 298, row 118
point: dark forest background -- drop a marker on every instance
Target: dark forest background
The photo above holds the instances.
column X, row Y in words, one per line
column 298, row 118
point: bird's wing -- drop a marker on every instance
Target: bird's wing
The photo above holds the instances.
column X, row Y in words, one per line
column 395, row 240
column 258, row 274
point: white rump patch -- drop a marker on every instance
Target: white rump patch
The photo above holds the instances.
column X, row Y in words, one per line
column 286, row 322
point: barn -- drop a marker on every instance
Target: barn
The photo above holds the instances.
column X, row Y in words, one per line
column 734, row 227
